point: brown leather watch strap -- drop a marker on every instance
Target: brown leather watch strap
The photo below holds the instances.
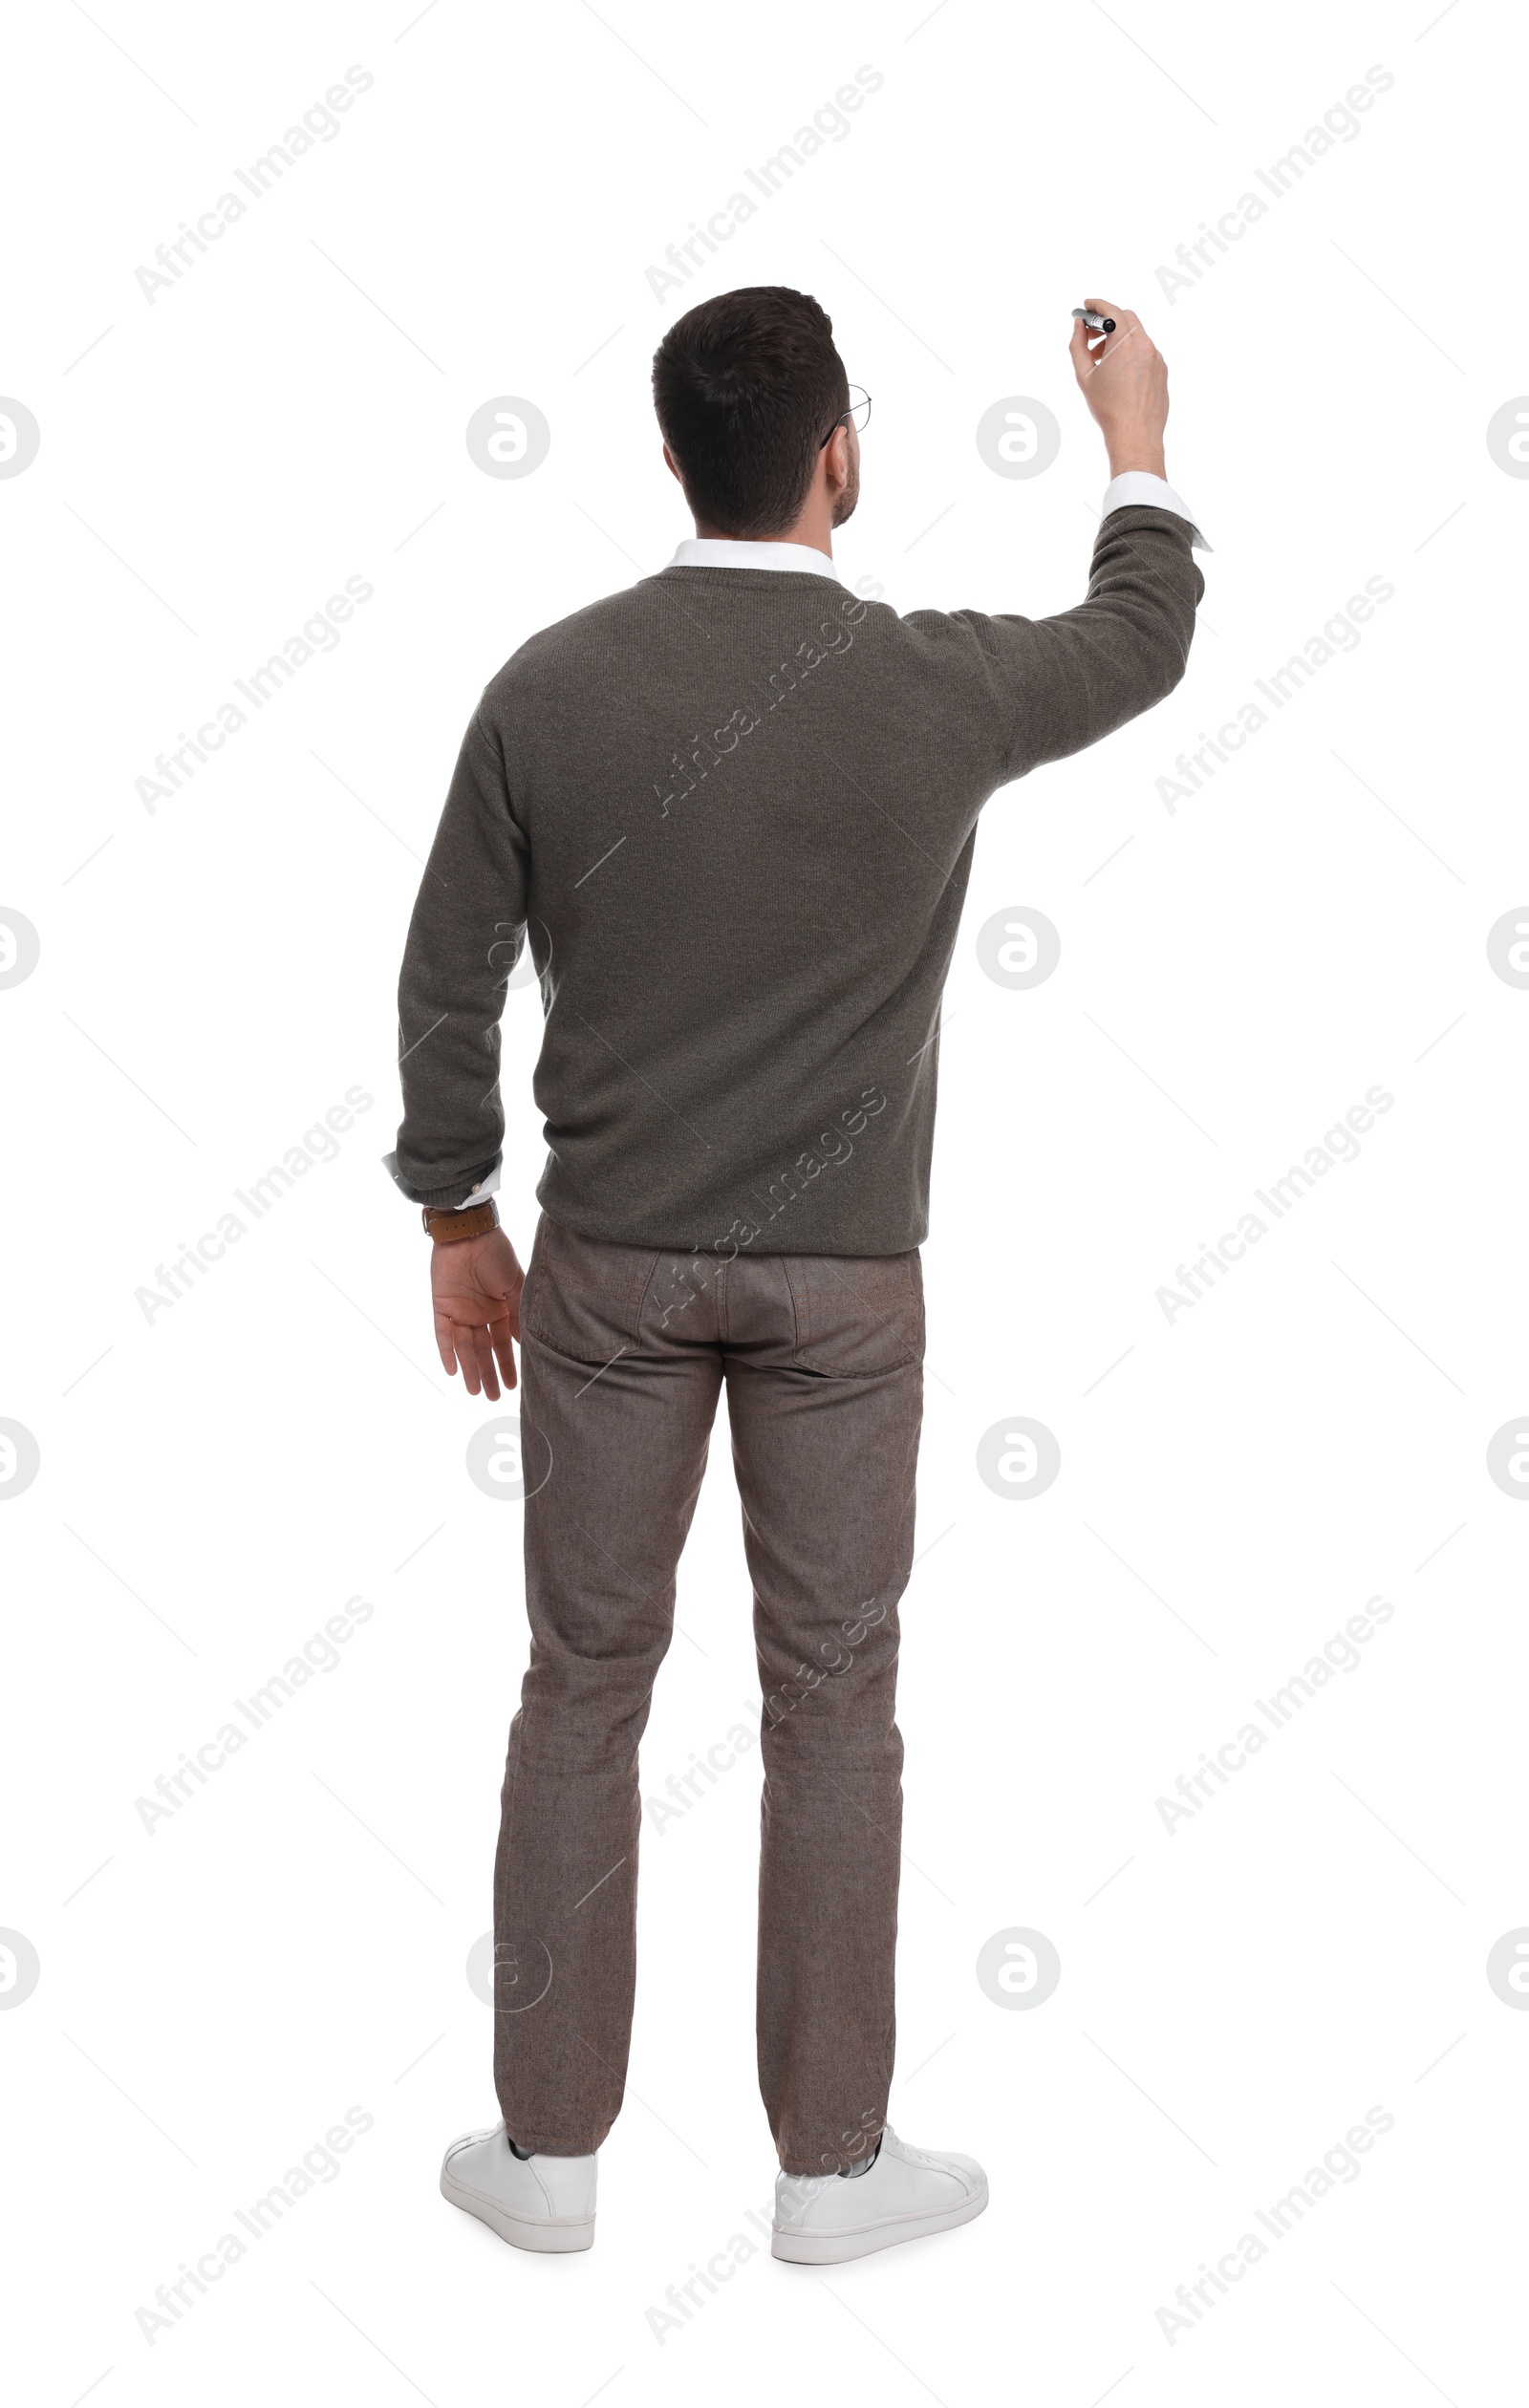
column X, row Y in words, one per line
column 448, row 1228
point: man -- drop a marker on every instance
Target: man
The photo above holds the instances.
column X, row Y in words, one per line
column 732, row 810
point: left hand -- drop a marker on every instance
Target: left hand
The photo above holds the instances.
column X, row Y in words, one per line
column 475, row 1285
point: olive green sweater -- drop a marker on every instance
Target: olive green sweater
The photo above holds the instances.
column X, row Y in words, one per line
column 732, row 812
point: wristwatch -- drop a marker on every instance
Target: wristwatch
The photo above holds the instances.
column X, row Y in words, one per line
column 448, row 1228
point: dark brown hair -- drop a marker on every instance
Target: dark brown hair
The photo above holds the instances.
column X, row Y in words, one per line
column 747, row 386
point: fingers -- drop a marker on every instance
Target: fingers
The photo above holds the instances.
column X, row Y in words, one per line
column 443, row 1343
column 1128, row 332
column 1125, row 319
column 1078, row 350
column 476, row 1291
column 474, row 1329
column 483, row 1355
column 500, row 1334
column 464, row 1347
column 1090, row 350
column 476, row 1358
column 1100, row 347
column 481, row 1340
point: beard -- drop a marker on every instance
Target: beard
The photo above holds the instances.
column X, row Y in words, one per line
column 844, row 508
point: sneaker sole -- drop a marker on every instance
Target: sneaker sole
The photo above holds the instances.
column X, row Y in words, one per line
column 522, row 2232
column 831, row 2248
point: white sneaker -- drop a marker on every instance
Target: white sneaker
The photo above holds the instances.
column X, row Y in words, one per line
column 821, row 2219
column 534, row 2203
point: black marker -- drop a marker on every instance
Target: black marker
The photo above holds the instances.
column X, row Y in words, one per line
column 1092, row 319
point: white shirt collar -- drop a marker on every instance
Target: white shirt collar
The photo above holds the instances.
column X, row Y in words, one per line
column 712, row 551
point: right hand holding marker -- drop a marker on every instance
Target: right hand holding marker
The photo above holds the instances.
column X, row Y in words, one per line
column 1124, row 380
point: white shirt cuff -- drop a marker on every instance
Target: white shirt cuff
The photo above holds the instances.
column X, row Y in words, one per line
column 1138, row 486
column 480, row 1194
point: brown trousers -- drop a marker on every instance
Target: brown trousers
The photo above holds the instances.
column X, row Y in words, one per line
column 624, row 1353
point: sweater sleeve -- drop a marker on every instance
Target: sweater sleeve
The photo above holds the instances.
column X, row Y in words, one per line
column 464, row 938
column 1056, row 685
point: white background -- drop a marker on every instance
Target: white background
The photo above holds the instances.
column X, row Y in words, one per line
column 1235, row 1483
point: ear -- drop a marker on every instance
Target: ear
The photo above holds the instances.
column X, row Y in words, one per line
column 669, row 461
column 837, row 459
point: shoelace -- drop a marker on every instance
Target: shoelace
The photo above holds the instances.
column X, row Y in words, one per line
column 916, row 2156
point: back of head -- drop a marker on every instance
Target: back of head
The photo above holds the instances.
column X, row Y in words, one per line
column 746, row 387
